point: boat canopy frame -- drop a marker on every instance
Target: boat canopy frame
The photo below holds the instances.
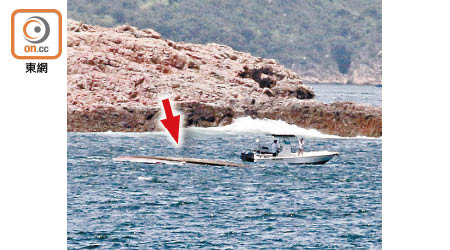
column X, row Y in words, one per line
column 289, row 141
column 283, row 135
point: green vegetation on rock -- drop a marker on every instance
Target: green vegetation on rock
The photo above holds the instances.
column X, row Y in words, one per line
column 323, row 40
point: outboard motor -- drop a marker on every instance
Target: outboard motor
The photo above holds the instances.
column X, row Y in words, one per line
column 248, row 156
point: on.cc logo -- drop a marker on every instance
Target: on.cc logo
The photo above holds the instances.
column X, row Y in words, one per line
column 36, row 34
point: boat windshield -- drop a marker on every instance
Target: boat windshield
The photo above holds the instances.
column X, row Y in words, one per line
column 288, row 142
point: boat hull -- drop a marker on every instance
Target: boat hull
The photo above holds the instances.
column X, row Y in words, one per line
column 321, row 157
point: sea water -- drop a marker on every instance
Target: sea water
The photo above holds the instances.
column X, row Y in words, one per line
column 124, row 205
column 364, row 94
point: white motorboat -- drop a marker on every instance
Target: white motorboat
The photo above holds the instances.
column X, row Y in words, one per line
column 287, row 153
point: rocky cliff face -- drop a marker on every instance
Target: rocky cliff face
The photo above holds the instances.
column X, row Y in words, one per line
column 117, row 77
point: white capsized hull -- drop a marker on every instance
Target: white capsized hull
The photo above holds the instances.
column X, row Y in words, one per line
column 146, row 160
column 317, row 157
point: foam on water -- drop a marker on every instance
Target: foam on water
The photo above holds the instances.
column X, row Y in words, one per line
column 247, row 125
column 143, row 178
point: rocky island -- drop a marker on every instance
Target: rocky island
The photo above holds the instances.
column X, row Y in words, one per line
column 117, row 76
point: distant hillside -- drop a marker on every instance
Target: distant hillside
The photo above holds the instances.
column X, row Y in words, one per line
column 322, row 40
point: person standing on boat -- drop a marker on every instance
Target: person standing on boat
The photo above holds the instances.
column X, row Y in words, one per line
column 300, row 147
column 275, row 148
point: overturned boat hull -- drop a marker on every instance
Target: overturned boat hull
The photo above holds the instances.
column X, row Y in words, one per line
column 177, row 160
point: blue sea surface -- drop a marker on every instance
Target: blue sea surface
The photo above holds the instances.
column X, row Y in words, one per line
column 364, row 94
column 124, row 205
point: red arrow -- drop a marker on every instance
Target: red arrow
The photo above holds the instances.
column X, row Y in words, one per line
column 172, row 123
